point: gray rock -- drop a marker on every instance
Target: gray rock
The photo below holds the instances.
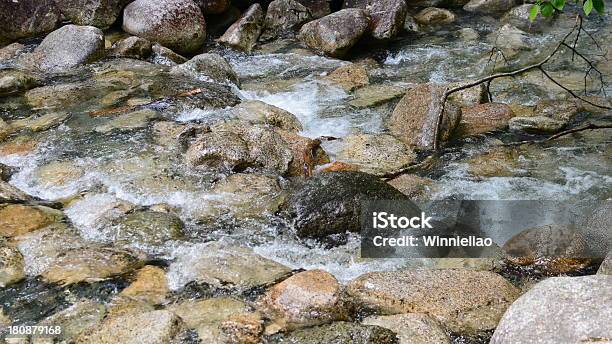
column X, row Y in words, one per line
column 414, row 119
column 224, row 150
column 98, row 13
column 13, row 82
column 536, row 125
column 468, row 34
column 67, row 47
column 337, row 33
column 412, row 328
column 76, row 319
column 176, row 24
column 550, row 241
column 509, row 37
column 519, row 18
column 164, row 56
column 149, row 228
column 284, row 16
column 243, row 34
column 489, row 6
column 258, row 112
column 560, row 310
column 318, row 8
column 27, row 18
column 10, row 52
column 606, row 266
column 376, row 154
column 208, row 66
column 388, row 18
column 134, row 120
column 330, row 203
column 433, row 16
column 339, row 333
column 132, row 47
column 597, row 229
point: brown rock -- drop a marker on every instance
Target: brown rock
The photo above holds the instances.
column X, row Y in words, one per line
column 349, row 77
column 258, row 112
column 20, row 145
column 133, row 47
column 213, row 6
column 150, row 285
column 11, row 265
column 484, row 118
column 17, row 219
column 242, row 328
column 412, row 185
column 388, row 17
column 243, row 34
column 307, row 154
column 337, row 166
column 412, row 328
column 501, row 162
column 433, row 16
column 376, row 154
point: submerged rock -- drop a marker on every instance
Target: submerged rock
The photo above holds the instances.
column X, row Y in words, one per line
column 130, row 121
column 11, row 265
column 243, row 34
column 414, row 119
column 375, row 95
column 65, row 48
column 519, row 18
column 40, row 123
column 388, row 18
column 433, row 16
column 536, row 125
column 27, row 18
column 465, row 301
column 149, row 228
column 501, row 162
column 330, row 203
column 151, row 327
column 484, row 118
column 208, row 66
column 511, row 39
column 284, row 16
column 306, row 299
column 412, row 328
column 337, row 33
column 14, row 82
column 176, row 24
column 376, row 154
column 98, row 13
column 349, row 77
column 559, row 310
column 339, row 332
column 489, row 6
column 258, row 112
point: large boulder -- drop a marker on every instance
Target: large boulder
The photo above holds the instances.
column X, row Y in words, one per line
column 306, row 299
column 176, row 24
column 388, row 17
column 489, row 6
column 414, row 119
column 284, row 16
column 209, row 66
column 67, row 47
column 560, row 310
column 484, row 118
column 26, row 18
column 337, row 33
column 330, row 203
column 596, row 229
column 465, row 301
column 376, row 154
column 339, row 332
column 243, row 34
column 98, row 13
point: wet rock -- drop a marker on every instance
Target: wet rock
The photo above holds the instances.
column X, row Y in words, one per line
column 375, row 95
column 130, row 121
column 213, row 6
column 149, row 228
column 59, row 96
column 469, row 97
column 434, row 16
column 122, row 305
column 318, row 8
column 11, row 51
column 465, row 301
column 65, row 48
column 151, row 327
column 519, row 18
column 150, row 285
column 349, row 77
column 330, row 203
column 207, row 316
column 27, row 18
column 412, row 328
column 388, row 18
column 410, row 24
column 559, row 310
column 89, row 264
column 484, row 118
column 243, row 34
column 489, row 6
column 5, row 173
column 337, row 33
column 208, row 66
column 245, row 328
column 221, row 149
column 606, row 266
column 468, row 34
column 560, row 110
column 19, row 146
column 511, row 39
column 501, row 162
column 11, row 194
column 596, row 228
column 307, row 153
column 175, row 135
column 40, row 123
column 340, row 332
column 18, row 219
column 412, row 185
column 557, row 248
column 258, row 112
column 536, row 125
column 176, row 24
column 306, row 299
column 164, row 56
column 58, row 173
column 376, row 154
column 98, row 13
column 284, row 16
column 132, row 47
column 14, row 82
column 228, row 267
column 11, row 265
column 5, row 130
column 414, row 119
column 75, row 320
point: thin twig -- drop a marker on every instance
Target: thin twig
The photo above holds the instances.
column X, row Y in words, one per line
column 588, row 126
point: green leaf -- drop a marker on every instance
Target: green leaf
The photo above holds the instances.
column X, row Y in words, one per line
column 533, row 12
column 599, row 6
column 588, row 7
column 558, row 4
column 548, row 9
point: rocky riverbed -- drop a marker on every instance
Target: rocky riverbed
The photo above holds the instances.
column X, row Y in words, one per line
column 181, row 171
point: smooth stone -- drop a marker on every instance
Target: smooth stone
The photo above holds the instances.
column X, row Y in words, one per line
column 208, row 66
column 511, row 39
column 284, row 16
column 519, row 18
column 388, row 18
column 484, row 118
column 243, row 34
column 130, row 121
column 150, row 285
column 375, row 95
column 98, row 13
column 377, row 154
column 349, row 77
column 12, row 265
column 489, row 6
column 258, row 112
column 14, row 82
column 132, row 47
column 75, row 320
column 18, row 219
column 339, row 332
column 434, row 16
column 27, row 18
column 412, row 328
